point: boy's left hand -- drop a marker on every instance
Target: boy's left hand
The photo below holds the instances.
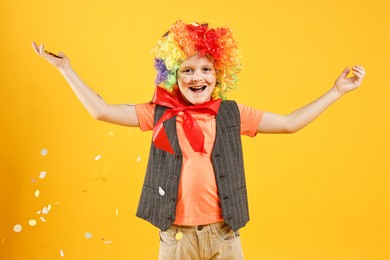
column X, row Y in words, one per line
column 344, row 84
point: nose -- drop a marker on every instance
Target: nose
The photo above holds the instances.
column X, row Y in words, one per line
column 196, row 77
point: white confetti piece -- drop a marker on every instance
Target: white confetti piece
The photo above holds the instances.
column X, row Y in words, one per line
column 42, row 174
column 17, row 228
column 98, row 157
column 48, row 208
column 39, row 212
column 36, row 193
column 44, row 152
column 62, row 253
column 88, row 235
column 44, row 210
column 161, row 191
column 32, row 222
column 56, row 203
column 139, row 158
column 117, row 212
column 42, row 219
column 107, row 242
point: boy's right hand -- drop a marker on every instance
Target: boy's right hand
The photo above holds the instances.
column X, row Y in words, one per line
column 60, row 62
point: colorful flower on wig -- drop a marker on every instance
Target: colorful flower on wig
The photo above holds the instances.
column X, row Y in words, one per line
column 185, row 40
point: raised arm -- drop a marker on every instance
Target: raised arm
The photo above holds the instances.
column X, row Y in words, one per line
column 123, row 114
column 274, row 123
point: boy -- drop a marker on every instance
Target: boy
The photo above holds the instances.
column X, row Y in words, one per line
column 194, row 189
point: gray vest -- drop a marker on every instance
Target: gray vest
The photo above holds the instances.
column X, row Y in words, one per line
column 159, row 192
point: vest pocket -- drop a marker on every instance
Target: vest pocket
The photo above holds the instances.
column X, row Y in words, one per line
column 232, row 128
column 241, row 190
column 149, row 190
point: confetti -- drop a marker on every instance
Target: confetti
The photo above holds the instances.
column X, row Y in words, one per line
column 62, row 253
column 107, row 242
column 44, row 152
column 33, row 180
column 42, row 174
column 17, row 228
column 139, row 158
column 44, row 210
column 98, row 157
column 42, row 219
column 32, row 222
column 161, row 191
column 36, row 193
column 88, row 235
column 48, row 208
column 56, row 203
column 117, row 212
column 39, row 212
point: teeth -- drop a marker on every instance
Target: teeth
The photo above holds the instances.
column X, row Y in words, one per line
column 198, row 87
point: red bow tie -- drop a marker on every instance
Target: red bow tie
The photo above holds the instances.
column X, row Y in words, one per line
column 191, row 128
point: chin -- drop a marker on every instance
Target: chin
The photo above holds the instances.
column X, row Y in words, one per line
column 198, row 101
column 196, row 98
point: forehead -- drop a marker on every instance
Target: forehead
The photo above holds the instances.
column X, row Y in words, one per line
column 197, row 60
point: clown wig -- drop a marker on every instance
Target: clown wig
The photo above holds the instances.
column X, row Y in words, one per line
column 185, row 40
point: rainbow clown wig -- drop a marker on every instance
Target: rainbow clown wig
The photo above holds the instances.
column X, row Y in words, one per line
column 185, row 40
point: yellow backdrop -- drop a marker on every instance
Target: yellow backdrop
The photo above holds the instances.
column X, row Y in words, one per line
column 322, row 193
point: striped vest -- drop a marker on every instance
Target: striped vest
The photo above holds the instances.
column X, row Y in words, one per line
column 159, row 192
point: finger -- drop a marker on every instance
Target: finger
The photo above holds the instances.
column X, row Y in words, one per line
column 41, row 49
column 45, row 54
column 358, row 71
column 345, row 73
column 363, row 70
column 360, row 68
column 357, row 82
column 35, row 47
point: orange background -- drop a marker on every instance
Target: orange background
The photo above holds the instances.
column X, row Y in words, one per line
column 322, row 193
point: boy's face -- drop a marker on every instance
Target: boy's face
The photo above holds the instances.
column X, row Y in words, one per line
column 196, row 79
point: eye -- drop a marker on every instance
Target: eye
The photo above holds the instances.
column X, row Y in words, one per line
column 186, row 70
column 207, row 69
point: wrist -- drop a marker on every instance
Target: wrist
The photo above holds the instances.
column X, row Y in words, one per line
column 336, row 93
column 65, row 69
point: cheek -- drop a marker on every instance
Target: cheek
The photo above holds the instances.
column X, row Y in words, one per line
column 210, row 78
column 184, row 79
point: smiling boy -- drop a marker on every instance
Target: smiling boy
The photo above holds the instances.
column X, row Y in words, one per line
column 196, row 79
column 194, row 189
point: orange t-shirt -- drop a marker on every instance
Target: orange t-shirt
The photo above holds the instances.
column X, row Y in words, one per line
column 198, row 201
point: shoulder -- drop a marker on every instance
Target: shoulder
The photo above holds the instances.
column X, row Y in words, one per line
column 229, row 104
column 228, row 110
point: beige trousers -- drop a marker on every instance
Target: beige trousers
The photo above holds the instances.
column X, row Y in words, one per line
column 207, row 242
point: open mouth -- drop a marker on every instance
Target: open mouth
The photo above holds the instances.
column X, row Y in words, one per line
column 198, row 89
